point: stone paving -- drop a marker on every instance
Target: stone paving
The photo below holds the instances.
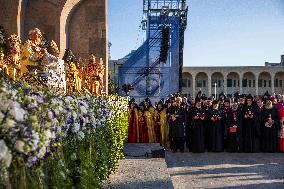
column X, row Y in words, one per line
column 137, row 171
column 226, row 170
column 134, row 173
column 188, row 170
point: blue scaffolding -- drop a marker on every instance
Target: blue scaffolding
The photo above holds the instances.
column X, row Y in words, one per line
column 143, row 70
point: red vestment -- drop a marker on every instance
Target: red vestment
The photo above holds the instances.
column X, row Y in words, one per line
column 281, row 131
column 143, row 129
column 133, row 127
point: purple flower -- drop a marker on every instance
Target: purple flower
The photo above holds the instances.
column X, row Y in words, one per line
column 28, row 134
column 70, row 120
column 32, row 160
column 46, row 155
column 82, row 120
column 54, row 149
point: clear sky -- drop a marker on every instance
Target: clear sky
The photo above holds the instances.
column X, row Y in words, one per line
column 219, row 33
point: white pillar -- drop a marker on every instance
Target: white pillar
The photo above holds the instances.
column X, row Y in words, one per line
column 209, row 86
column 193, row 86
column 256, row 84
column 225, row 85
column 272, row 83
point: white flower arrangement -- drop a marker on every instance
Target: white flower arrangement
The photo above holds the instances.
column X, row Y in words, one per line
column 5, row 155
column 33, row 124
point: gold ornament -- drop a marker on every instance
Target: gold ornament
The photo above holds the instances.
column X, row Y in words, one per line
column 94, row 76
column 12, row 63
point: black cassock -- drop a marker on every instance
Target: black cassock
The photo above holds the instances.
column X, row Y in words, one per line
column 188, row 128
column 178, row 128
column 207, row 110
column 233, row 132
column 269, row 133
column 251, row 129
column 224, row 112
column 215, row 129
column 170, row 112
column 198, row 140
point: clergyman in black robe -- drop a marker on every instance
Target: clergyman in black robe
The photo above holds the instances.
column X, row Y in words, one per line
column 233, row 126
column 251, row 127
column 198, row 140
column 207, row 107
column 170, row 112
column 178, row 129
column 215, row 128
column 269, row 127
column 224, row 112
column 188, row 125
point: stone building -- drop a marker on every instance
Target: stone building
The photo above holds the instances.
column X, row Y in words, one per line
column 80, row 25
column 254, row 80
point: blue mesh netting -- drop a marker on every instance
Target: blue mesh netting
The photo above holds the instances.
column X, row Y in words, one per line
column 142, row 68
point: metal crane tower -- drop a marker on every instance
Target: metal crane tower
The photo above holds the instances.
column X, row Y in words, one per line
column 144, row 70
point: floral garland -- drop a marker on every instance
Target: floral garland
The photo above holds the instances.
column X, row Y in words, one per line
column 42, row 133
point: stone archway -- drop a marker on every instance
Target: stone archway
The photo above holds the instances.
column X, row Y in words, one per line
column 279, row 82
column 65, row 16
column 249, row 83
column 11, row 15
column 233, row 83
column 187, row 86
column 264, row 82
column 87, row 29
column 57, row 25
column 201, row 83
column 218, row 78
column 40, row 14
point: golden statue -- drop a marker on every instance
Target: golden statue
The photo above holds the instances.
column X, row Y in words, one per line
column 90, row 73
column 40, row 67
column 99, row 77
column 12, row 62
column 73, row 72
column 32, row 53
column 94, row 76
column 72, row 78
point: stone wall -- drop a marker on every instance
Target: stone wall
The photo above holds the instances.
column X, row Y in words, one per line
column 44, row 15
column 9, row 15
column 87, row 29
column 255, row 77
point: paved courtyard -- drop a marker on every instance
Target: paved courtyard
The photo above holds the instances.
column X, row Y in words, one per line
column 226, row 170
column 188, row 170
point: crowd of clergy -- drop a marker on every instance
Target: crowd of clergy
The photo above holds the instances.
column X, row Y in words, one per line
column 242, row 123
